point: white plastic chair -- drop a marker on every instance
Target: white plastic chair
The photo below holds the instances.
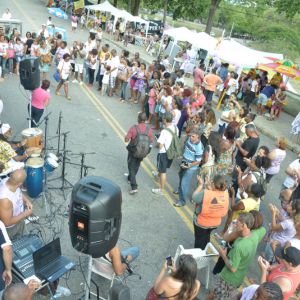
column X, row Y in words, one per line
column 204, row 258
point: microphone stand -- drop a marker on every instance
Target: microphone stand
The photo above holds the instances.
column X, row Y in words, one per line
column 46, row 120
column 63, row 170
column 58, row 132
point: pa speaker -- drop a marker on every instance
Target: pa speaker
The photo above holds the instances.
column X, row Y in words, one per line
column 30, row 73
column 95, row 215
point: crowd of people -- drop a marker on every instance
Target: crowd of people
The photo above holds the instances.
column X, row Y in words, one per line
column 224, row 171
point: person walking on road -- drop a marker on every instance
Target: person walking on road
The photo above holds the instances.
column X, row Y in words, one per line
column 163, row 143
column 140, row 142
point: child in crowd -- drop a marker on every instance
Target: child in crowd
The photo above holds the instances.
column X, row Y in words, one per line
column 105, row 80
column 152, row 100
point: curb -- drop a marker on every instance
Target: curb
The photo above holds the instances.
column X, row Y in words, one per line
column 293, row 148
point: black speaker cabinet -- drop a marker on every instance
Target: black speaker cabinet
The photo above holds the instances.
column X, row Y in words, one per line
column 95, row 215
column 30, row 73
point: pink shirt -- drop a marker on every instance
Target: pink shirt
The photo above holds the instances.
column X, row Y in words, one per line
column 39, row 98
column 152, row 97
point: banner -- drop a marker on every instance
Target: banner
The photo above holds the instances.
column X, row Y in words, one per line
column 154, row 26
column 79, row 4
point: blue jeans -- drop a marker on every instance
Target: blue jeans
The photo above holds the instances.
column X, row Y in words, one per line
column 134, row 252
column 123, row 89
column 186, row 177
column 269, row 254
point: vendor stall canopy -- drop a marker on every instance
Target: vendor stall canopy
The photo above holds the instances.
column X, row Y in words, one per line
column 117, row 13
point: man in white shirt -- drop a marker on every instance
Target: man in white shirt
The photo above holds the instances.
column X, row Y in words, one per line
column 114, row 63
column 163, row 143
column 233, row 84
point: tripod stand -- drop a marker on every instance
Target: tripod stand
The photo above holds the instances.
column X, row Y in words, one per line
column 65, row 182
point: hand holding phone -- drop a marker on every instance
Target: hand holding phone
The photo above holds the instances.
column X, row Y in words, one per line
column 169, row 261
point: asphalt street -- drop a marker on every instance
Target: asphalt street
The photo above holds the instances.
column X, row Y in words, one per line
column 98, row 124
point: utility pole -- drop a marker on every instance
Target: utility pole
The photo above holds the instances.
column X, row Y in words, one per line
column 231, row 29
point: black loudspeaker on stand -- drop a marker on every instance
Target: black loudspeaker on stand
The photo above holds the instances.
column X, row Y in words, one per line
column 95, row 215
column 30, row 73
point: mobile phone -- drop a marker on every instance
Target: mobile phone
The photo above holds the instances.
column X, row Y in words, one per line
column 169, row 260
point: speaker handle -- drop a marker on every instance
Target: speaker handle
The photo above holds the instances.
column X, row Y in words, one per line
column 111, row 229
column 95, row 187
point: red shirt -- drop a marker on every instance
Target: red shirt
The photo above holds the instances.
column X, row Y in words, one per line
column 131, row 135
column 39, row 98
column 198, row 76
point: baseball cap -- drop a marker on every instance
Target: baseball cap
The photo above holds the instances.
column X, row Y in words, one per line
column 290, row 254
column 4, row 128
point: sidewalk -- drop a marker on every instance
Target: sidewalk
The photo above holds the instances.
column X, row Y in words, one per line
column 272, row 129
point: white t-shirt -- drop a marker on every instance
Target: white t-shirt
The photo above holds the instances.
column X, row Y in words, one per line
column 105, row 79
column 19, row 48
column 114, row 63
column 176, row 116
column 254, row 85
column 165, row 138
column 289, row 181
column 93, row 62
column 164, row 100
column 249, row 292
column 233, row 85
column 3, row 48
column 295, row 243
column 64, row 67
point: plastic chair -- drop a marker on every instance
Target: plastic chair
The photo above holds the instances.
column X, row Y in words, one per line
column 204, row 258
column 103, row 268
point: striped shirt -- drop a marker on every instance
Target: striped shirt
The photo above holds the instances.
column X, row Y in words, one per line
column 192, row 152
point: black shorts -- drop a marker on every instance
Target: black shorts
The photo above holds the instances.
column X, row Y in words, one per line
column 163, row 163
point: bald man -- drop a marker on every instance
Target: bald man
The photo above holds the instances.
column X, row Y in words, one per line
column 20, row 291
column 15, row 207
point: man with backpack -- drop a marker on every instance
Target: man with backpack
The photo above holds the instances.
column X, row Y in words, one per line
column 169, row 148
column 140, row 142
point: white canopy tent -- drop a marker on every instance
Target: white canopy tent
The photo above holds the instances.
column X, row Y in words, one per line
column 197, row 39
column 237, row 54
column 117, row 13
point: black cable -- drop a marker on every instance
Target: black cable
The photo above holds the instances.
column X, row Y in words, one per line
column 80, row 266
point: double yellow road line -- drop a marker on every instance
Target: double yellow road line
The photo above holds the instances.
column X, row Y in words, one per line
column 185, row 212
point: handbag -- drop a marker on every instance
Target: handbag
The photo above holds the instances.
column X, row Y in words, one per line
column 56, row 76
column 240, row 95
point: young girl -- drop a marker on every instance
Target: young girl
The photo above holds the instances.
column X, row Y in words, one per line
column 19, row 50
column 133, row 78
column 105, row 80
column 176, row 110
column 11, row 56
column 152, row 100
column 74, row 21
column 92, row 63
column 140, row 84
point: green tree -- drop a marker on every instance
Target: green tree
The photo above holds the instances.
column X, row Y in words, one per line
column 289, row 7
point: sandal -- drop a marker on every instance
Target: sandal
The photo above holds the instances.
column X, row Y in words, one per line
column 68, row 98
column 57, row 93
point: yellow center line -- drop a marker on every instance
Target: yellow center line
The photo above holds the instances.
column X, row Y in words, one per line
column 119, row 128
column 121, row 133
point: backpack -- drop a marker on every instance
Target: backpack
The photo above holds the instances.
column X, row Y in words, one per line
column 141, row 146
column 174, row 151
column 261, row 180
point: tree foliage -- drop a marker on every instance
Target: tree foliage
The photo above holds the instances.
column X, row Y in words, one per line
column 289, row 7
